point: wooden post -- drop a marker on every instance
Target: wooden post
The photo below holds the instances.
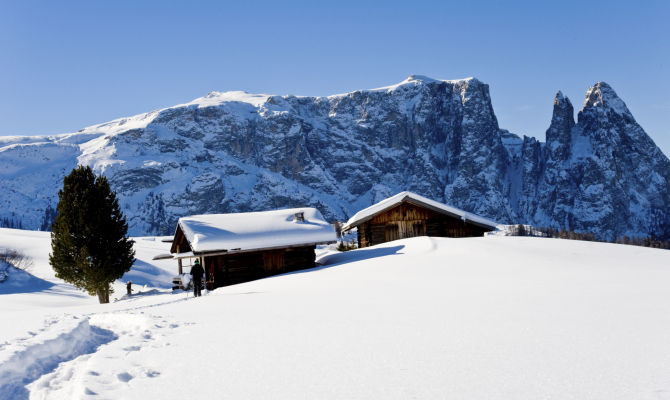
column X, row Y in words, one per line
column 181, row 269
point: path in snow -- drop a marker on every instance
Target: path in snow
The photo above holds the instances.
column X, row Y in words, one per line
column 109, row 370
column 41, row 358
column 80, row 354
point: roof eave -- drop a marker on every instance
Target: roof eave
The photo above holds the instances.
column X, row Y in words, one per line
column 173, row 247
column 352, row 225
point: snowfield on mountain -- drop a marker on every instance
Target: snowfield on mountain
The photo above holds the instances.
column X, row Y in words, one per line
column 469, row 318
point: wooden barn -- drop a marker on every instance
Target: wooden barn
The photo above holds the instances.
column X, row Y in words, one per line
column 408, row 214
column 236, row 248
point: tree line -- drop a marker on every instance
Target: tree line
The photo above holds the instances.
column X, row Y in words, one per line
column 527, row 230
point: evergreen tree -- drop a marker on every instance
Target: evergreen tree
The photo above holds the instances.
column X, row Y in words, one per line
column 520, row 230
column 89, row 245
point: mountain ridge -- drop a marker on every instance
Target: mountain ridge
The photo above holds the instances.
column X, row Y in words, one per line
column 237, row 151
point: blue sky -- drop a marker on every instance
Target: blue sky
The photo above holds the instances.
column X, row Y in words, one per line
column 66, row 65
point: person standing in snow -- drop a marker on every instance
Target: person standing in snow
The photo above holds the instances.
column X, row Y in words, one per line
column 197, row 271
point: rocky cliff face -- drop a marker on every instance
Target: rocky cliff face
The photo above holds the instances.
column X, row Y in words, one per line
column 236, row 151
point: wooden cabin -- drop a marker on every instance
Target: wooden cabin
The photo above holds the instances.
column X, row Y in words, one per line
column 408, row 215
column 236, row 248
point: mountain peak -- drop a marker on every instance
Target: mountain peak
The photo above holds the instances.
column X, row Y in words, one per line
column 559, row 132
column 560, row 99
column 602, row 95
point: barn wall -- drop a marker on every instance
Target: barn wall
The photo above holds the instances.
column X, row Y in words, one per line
column 298, row 258
column 377, row 234
column 230, row 269
column 363, row 230
column 410, row 220
column 435, row 227
column 179, row 243
column 404, row 212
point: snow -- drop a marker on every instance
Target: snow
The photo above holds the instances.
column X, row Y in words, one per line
column 409, row 196
column 217, row 98
column 410, row 80
column 494, row 317
column 256, row 230
column 581, row 147
column 234, row 101
column 419, row 79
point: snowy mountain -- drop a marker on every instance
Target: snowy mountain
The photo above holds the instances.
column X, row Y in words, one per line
column 236, row 151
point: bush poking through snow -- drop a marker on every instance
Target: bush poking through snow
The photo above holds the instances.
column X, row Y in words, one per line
column 346, row 246
column 16, row 259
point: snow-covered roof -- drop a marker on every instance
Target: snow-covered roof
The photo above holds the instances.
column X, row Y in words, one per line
column 255, row 230
column 388, row 203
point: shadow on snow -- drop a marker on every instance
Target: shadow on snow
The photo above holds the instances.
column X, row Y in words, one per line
column 347, row 257
column 20, row 281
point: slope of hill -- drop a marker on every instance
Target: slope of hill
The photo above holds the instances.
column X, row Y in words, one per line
column 234, row 151
column 493, row 317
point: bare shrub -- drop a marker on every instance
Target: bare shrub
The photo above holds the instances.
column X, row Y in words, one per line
column 16, row 259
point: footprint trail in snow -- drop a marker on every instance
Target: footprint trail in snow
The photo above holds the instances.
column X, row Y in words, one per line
column 83, row 357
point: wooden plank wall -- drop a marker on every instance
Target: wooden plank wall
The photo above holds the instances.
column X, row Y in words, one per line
column 404, row 212
column 235, row 268
column 409, row 220
column 224, row 270
column 435, row 227
column 179, row 243
column 365, row 234
column 273, row 261
column 298, row 258
column 377, row 233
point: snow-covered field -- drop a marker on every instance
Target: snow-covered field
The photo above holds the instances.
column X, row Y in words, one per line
column 493, row 317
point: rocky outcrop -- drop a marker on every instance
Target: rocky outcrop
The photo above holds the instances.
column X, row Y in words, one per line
column 236, row 151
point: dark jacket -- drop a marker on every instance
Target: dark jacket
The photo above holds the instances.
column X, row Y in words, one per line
column 197, row 271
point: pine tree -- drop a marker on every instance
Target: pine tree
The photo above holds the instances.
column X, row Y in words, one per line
column 521, row 230
column 89, row 245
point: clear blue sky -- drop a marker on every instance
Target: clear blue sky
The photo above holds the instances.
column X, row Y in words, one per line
column 66, row 65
